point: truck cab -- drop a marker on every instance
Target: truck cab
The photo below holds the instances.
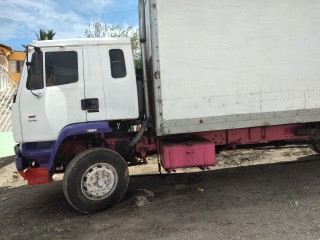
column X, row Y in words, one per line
column 70, row 88
column 74, row 81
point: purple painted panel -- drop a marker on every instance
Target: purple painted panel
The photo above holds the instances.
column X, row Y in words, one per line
column 38, row 151
column 78, row 129
column 45, row 152
column 19, row 163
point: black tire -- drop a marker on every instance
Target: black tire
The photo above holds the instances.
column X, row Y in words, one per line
column 81, row 169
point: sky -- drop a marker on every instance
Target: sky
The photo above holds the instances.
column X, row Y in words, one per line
column 20, row 19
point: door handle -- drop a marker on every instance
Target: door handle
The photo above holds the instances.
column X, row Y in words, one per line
column 90, row 104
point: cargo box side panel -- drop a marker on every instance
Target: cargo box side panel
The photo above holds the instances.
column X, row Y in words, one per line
column 148, row 5
column 153, row 63
column 232, row 64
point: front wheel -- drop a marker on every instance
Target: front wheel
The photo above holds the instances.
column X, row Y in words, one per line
column 95, row 179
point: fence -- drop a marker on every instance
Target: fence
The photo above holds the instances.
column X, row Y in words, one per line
column 8, row 86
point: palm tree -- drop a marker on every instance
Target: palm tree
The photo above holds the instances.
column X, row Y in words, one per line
column 45, row 35
column 50, row 34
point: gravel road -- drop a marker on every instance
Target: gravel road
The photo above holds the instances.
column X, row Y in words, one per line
column 274, row 201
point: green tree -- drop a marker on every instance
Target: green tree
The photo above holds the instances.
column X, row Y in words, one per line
column 45, row 35
column 101, row 30
column 50, row 34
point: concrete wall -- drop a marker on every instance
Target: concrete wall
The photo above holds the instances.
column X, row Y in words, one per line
column 6, row 144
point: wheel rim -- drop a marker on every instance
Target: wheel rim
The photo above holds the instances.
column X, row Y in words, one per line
column 99, row 181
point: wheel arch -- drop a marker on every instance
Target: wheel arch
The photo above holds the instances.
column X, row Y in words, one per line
column 88, row 128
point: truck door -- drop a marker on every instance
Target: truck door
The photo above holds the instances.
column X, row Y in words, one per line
column 48, row 107
column 119, row 82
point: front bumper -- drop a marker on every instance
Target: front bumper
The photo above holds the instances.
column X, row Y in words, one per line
column 29, row 168
column 36, row 175
column 18, row 158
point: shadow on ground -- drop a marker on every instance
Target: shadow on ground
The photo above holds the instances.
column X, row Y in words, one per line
column 5, row 161
column 279, row 201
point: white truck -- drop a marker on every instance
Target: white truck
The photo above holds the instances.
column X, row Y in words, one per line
column 215, row 74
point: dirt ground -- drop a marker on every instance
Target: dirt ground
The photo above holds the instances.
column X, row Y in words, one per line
column 237, row 199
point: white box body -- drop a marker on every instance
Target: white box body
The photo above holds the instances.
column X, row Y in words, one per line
column 233, row 64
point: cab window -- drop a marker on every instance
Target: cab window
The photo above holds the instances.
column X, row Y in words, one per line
column 61, row 68
column 117, row 63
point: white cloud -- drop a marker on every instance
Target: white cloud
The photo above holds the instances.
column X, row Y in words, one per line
column 7, row 30
column 21, row 18
column 95, row 6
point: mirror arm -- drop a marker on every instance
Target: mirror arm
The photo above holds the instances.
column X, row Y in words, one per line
column 37, row 95
column 37, row 49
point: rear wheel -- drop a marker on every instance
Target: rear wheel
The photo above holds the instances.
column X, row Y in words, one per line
column 95, row 179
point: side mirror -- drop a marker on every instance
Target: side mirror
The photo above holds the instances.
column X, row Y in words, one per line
column 35, row 71
column 37, row 63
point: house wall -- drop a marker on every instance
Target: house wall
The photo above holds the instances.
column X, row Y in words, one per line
column 16, row 60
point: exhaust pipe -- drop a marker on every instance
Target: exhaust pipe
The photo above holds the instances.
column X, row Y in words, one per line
column 142, row 22
column 142, row 36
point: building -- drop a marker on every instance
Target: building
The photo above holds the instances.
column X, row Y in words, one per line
column 16, row 59
column 11, row 61
column 4, row 64
column 4, row 54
